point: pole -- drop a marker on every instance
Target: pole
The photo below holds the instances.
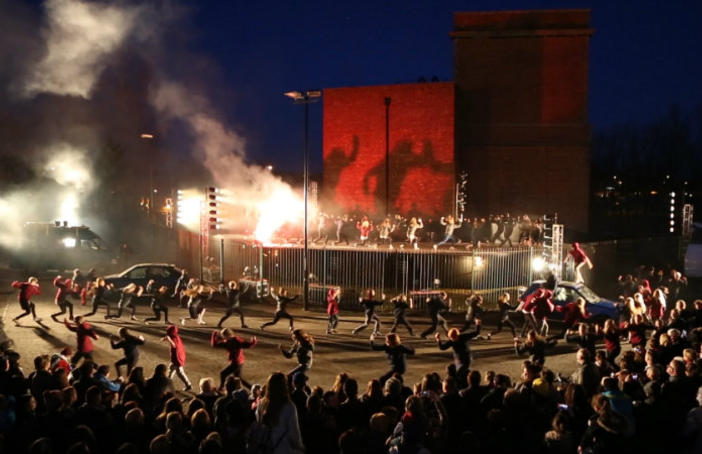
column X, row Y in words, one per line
column 305, row 259
column 221, row 260
column 199, row 242
column 387, row 155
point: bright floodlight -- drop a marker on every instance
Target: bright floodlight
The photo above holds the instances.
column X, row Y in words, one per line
column 538, row 264
column 478, row 261
column 69, row 242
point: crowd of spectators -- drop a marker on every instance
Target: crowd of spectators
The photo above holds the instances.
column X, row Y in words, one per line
column 648, row 399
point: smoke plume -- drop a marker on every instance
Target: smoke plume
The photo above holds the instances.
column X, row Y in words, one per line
column 80, row 36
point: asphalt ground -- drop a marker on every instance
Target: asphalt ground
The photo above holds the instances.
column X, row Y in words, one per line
column 333, row 354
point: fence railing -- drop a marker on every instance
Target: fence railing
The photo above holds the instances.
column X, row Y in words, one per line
column 486, row 271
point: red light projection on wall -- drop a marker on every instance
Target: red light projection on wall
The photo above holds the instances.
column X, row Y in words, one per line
column 421, row 144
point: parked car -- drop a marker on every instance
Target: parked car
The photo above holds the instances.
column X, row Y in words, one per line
column 566, row 292
column 140, row 274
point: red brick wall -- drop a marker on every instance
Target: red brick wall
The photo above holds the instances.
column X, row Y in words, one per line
column 521, row 111
column 421, row 148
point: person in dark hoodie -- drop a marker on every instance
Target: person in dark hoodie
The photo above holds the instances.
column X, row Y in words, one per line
column 395, row 352
column 129, row 344
column 302, row 348
column 177, row 356
column 234, row 292
column 410, row 434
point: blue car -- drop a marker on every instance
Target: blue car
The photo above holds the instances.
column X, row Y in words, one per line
column 140, row 274
column 566, row 292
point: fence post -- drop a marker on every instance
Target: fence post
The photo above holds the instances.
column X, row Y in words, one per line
column 531, row 270
column 472, row 269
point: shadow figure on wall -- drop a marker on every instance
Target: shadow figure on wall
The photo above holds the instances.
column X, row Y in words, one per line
column 402, row 161
column 336, row 162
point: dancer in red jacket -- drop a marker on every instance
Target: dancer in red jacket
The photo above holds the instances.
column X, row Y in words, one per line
column 65, row 289
column 235, row 345
column 26, row 291
column 85, row 335
column 177, row 350
column 333, row 297
column 580, row 259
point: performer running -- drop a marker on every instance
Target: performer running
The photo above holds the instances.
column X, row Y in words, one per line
column 177, row 354
column 474, row 313
column 281, row 299
column 437, row 304
column 26, row 291
column 535, row 345
column 128, row 343
column 98, row 294
column 333, row 298
column 414, row 225
column 542, row 309
column 369, row 304
column 504, row 308
column 126, row 299
column 181, row 285
column 235, row 345
column 233, row 292
column 580, row 259
column 84, row 335
column 158, row 305
column 65, row 288
column 303, row 349
column 461, row 351
column 395, row 352
column 196, row 304
column 401, row 304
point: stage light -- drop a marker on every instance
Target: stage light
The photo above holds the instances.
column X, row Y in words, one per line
column 478, row 262
column 538, row 264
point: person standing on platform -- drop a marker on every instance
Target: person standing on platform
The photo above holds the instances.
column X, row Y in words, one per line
column 580, row 259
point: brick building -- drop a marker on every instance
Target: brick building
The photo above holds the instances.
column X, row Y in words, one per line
column 419, row 123
column 515, row 118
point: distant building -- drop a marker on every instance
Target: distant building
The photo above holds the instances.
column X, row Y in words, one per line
column 515, row 119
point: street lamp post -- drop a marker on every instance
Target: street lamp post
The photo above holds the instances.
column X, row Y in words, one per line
column 305, row 97
column 387, row 155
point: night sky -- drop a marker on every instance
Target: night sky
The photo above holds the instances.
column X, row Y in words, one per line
column 644, row 57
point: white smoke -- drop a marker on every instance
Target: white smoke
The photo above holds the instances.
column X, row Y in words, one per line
column 66, row 180
column 252, row 188
column 80, row 36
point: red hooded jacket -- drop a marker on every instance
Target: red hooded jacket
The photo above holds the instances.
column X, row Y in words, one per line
column 234, row 345
column 177, row 348
column 26, row 290
column 85, row 334
column 332, row 302
column 65, row 288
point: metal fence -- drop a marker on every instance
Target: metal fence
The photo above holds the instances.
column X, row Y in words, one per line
column 486, row 271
